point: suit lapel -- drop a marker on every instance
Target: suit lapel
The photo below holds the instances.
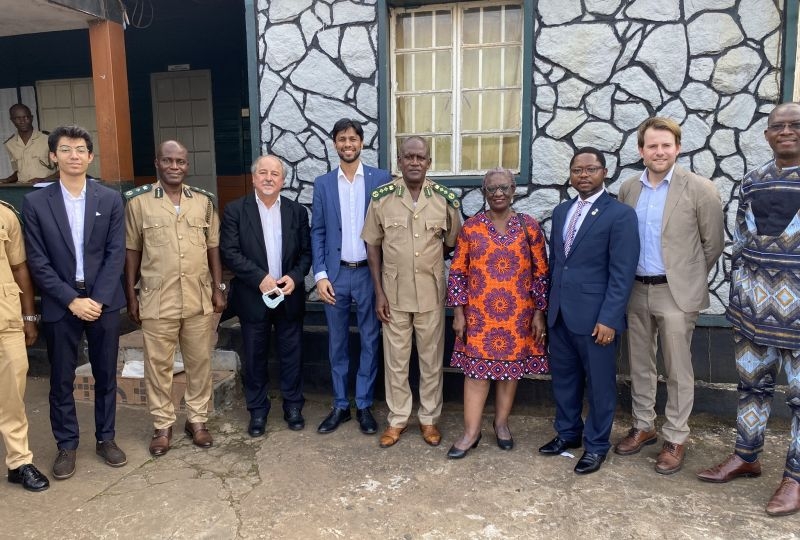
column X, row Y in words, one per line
column 90, row 210
column 56, row 202
column 593, row 213
column 636, row 191
column 676, row 186
column 254, row 219
column 287, row 224
column 334, row 195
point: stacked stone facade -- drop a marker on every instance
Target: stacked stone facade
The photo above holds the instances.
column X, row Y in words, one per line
column 600, row 68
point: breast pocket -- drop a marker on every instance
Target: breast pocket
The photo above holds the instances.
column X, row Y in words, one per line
column 154, row 231
column 197, row 231
column 435, row 228
column 396, row 229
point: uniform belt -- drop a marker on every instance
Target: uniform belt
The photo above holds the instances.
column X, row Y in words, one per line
column 80, row 285
column 358, row 264
column 652, row 280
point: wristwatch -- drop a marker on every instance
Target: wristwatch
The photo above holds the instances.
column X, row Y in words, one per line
column 32, row 318
column 222, row 287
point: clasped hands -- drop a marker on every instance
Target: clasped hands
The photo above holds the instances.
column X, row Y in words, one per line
column 285, row 284
column 86, row 309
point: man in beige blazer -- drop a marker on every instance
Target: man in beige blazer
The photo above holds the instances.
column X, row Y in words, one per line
column 681, row 238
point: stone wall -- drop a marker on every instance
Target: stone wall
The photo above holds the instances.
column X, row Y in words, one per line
column 600, row 68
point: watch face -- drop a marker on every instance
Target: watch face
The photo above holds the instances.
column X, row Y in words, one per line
column 222, row 287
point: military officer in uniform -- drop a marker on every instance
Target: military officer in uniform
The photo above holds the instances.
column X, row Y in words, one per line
column 27, row 149
column 172, row 241
column 411, row 224
column 17, row 329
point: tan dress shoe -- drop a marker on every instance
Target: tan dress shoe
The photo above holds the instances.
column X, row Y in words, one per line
column 670, row 459
column 786, row 500
column 732, row 467
column 431, row 434
column 391, row 436
column 634, row 441
column 159, row 444
column 199, row 433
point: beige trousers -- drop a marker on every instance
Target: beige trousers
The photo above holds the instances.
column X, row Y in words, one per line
column 13, row 422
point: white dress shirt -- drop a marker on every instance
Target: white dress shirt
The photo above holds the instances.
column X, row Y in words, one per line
column 273, row 235
column 76, row 210
column 351, row 201
column 591, row 200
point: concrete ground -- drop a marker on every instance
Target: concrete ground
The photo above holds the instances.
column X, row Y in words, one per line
column 305, row 486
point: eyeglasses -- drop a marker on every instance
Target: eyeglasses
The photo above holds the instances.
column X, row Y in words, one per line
column 80, row 150
column 779, row 127
column 503, row 188
column 577, row 171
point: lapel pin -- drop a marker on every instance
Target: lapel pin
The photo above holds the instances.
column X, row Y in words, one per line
column 594, row 212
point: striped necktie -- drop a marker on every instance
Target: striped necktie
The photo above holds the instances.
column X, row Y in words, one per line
column 572, row 227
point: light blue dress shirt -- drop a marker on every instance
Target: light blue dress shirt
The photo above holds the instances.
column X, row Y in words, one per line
column 650, row 212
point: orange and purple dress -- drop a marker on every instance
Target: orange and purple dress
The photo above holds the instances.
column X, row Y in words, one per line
column 500, row 287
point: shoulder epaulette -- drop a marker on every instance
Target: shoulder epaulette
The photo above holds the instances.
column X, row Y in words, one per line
column 204, row 192
column 448, row 194
column 11, row 207
column 382, row 191
column 131, row 193
column 12, row 136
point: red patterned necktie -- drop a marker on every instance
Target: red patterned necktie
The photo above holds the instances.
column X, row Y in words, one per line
column 572, row 227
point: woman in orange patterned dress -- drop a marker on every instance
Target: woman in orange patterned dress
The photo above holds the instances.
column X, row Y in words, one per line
column 498, row 289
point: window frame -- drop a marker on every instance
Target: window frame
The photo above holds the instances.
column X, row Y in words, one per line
column 385, row 106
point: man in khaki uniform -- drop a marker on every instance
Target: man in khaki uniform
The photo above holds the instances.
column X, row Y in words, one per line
column 16, row 331
column 410, row 225
column 27, row 149
column 172, row 241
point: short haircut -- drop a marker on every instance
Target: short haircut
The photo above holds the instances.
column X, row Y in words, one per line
column 499, row 171
column 781, row 106
column 589, row 150
column 658, row 122
column 346, row 123
column 254, row 166
column 19, row 106
column 414, row 138
column 70, row 132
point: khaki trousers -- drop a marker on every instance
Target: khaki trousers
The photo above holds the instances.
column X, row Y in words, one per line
column 13, row 422
column 428, row 330
column 653, row 313
column 160, row 338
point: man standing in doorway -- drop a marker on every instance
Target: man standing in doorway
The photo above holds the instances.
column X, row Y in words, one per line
column 765, row 287
column 27, row 150
column 172, row 241
column 681, row 238
column 342, row 275
column 411, row 224
column 74, row 238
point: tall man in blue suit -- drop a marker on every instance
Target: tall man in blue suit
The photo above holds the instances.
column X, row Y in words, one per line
column 339, row 258
column 75, row 240
column 264, row 241
column 594, row 249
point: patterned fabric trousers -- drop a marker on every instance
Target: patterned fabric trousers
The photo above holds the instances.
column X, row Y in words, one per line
column 758, row 367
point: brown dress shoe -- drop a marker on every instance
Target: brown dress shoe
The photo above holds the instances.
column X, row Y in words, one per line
column 634, row 441
column 64, row 466
column 391, row 436
column 199, row 433
column 431, row 434
column 732, row 467
column 786, row 500
column 159, row 444
column 670, row 459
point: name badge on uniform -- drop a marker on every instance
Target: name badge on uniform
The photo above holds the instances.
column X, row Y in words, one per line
column 273, row 298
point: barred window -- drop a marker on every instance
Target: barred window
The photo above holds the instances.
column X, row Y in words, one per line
column 457, row 82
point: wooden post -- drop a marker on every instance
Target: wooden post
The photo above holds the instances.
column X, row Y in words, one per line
column 110, row 78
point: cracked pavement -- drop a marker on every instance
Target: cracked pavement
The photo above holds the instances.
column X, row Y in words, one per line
column 302, row 485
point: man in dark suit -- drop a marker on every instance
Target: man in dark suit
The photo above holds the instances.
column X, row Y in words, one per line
column 342, row 274
column 75, row 240
column 265, row 243
column 594, row 248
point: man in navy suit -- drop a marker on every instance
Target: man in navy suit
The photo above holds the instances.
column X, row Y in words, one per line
column 594, row 249
column 75, row 240
column 342, row 275
column 265, row 243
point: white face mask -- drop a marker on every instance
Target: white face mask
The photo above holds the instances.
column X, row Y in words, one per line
column 273, row 298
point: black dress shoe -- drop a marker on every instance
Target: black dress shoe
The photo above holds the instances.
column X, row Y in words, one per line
column 504, row 444
column 30, row 478
column 558, row 445
column 257, row 426
column 294, row 419
column 366, row 422
column 336, row 417
column 457, row 453
column 589, row 463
